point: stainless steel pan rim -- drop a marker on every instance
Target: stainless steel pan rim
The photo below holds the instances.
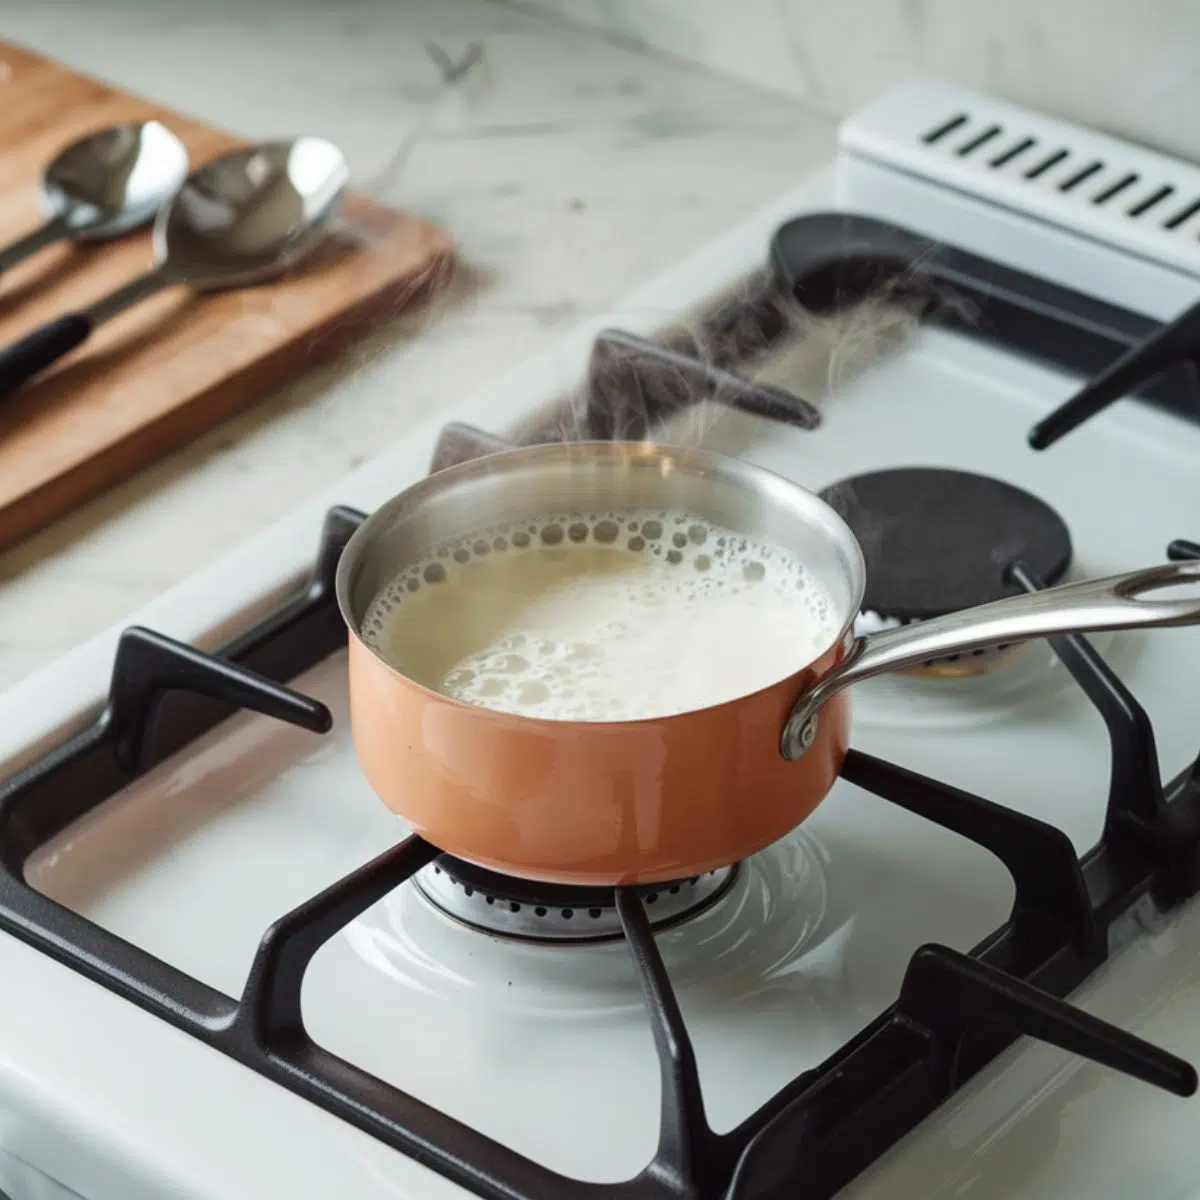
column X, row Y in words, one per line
column 536, row 482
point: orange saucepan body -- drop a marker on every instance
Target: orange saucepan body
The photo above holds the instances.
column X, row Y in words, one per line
column 591, row 802
column 595, row 803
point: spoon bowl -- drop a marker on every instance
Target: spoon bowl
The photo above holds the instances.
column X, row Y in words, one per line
column 251, row 214
column 105, row 184
column 114, row 180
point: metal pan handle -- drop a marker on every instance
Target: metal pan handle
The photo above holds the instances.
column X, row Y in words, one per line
column 1118, row 602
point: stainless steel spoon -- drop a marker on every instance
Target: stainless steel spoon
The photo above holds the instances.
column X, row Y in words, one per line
column 104, row 185
column 241, row 219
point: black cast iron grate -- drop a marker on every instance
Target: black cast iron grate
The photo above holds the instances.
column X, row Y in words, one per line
column 824, row 262
column 955, row 1011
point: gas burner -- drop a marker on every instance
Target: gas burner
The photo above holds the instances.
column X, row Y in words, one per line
column 936, row 541
column 504, row 906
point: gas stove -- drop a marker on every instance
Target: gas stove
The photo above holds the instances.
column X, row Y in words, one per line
column 231, row 973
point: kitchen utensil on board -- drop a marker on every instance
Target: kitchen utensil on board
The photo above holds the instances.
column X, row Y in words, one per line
column 244, row 218
column 660, row 798
column 105, row 184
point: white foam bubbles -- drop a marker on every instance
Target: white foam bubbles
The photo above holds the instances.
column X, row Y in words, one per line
column 601, row 617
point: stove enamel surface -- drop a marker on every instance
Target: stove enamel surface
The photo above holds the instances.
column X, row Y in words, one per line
column 547, row 1048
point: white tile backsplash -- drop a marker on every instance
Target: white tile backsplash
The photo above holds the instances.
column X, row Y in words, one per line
column 1130, row 67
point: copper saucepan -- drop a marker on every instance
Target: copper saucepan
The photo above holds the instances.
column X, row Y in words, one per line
column 669, row 797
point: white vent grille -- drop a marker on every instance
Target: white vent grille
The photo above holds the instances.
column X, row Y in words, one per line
column 1094, row 185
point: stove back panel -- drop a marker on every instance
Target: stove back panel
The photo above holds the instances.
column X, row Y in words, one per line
column 1078, row 180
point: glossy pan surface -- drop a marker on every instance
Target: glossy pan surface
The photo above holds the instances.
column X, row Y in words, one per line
column 595, row 802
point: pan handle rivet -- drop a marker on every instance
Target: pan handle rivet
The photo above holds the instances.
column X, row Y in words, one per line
column 808, row 733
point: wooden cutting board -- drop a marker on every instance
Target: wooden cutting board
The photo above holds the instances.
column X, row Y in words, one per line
column 178, row 364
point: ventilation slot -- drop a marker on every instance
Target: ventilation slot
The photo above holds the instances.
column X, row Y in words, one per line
column 982, row 139
column 1156, row 197
column 1181, row 216
column 1115, row 189
column 936, row 134
column 1041, row 168
column 1014, row 152
column 1071, row 183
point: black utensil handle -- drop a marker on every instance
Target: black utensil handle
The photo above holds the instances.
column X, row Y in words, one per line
column 33, row 353
column 45, row 235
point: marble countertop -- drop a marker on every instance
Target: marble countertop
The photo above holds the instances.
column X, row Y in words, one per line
column 570, row 171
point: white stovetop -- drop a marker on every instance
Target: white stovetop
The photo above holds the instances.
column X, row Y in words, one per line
column 575, row 171
column 150, row 1136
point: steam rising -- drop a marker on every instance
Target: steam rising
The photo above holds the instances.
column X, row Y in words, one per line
column 757, row 333
column 755, row 336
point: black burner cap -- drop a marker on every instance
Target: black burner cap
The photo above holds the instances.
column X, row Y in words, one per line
column 937, row 540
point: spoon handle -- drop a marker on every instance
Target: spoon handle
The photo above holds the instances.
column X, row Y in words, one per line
column 45, row 235
column 31, row 355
